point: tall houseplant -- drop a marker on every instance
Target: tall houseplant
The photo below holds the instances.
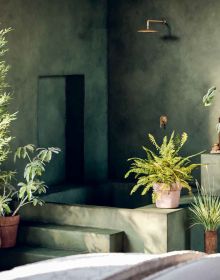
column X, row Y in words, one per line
column 6, row 118
column 164, row 170
column 13, row 198
column 205, row 209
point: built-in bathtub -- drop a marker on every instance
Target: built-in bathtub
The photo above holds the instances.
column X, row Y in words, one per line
column 108, row 194
column 110, row 206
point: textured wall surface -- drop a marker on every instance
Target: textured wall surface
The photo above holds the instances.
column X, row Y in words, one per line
column 56, row 37
column 149, row 76
column 51, row 93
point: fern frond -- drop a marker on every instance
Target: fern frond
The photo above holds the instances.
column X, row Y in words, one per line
column 135, row 188
column 149, row 152
column 183, row 140
column 186, row 160
column 153, row 141
column 146, row 189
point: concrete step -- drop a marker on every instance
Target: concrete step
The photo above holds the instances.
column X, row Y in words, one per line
column 149, row 230
column 71, row 237
column 21, row 255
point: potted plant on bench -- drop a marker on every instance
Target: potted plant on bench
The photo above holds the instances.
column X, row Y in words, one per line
column 28, row 192
column 205, row 210
column 164, row 170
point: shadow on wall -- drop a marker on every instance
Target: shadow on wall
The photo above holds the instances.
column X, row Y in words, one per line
column 61, row 124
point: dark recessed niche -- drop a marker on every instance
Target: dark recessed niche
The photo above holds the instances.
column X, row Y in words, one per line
column 61, row 124
column 75, row 92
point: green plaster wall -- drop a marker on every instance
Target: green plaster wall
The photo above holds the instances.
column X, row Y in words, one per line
column 59, row 38
column 149, row 76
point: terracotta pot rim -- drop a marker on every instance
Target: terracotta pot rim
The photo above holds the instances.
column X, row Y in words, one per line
column 173, row 187
column 9, row 220
column 168, row 190
column 10, row 216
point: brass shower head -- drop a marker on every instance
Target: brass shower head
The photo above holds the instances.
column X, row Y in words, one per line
column 148, row 29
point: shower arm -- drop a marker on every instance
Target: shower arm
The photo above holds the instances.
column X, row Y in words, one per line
column 155, row 21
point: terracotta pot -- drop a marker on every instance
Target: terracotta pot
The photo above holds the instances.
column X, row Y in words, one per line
column 211, row 242
column 8, row 231
column 167, row 198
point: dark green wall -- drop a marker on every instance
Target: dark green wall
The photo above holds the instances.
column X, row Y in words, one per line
column 149, row 76
column 54, row 37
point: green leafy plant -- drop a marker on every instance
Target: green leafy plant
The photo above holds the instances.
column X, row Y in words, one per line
column 209, row 96
column 6, row 118
column 30, row 190
column 5, row 200
column 205, row 209
column 165, row 165
column 207, row 101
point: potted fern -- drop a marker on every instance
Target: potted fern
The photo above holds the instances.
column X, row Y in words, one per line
column 28, row 191
column 164, row 170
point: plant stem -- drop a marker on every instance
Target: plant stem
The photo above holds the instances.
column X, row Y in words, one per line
column 19, row 206
column 28, row 157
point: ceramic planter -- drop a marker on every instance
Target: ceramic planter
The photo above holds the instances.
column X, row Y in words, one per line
column 8, row 231
column 211, row 242
column 167, row 198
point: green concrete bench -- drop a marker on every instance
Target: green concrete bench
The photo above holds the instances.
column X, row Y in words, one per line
column 148, row 230
column 71, row 237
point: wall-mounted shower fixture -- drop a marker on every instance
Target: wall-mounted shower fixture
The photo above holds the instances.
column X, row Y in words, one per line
column 148, row 29
column 163, row 121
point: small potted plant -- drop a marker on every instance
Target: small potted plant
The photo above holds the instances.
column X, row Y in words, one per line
column 29, row 191
column 164, row 170
column 11, row 198
column 205, row 209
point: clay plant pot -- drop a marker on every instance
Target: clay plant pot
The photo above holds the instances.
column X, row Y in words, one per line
column 8, row 231
column 211, row 242
column 167, row 198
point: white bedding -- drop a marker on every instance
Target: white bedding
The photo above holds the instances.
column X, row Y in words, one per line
column 90, row 266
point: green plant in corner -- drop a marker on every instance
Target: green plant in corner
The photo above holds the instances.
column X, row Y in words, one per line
column 6, row 118
column 164, row 166
column 5, row 200
column 26, row 192
column 205, row 211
